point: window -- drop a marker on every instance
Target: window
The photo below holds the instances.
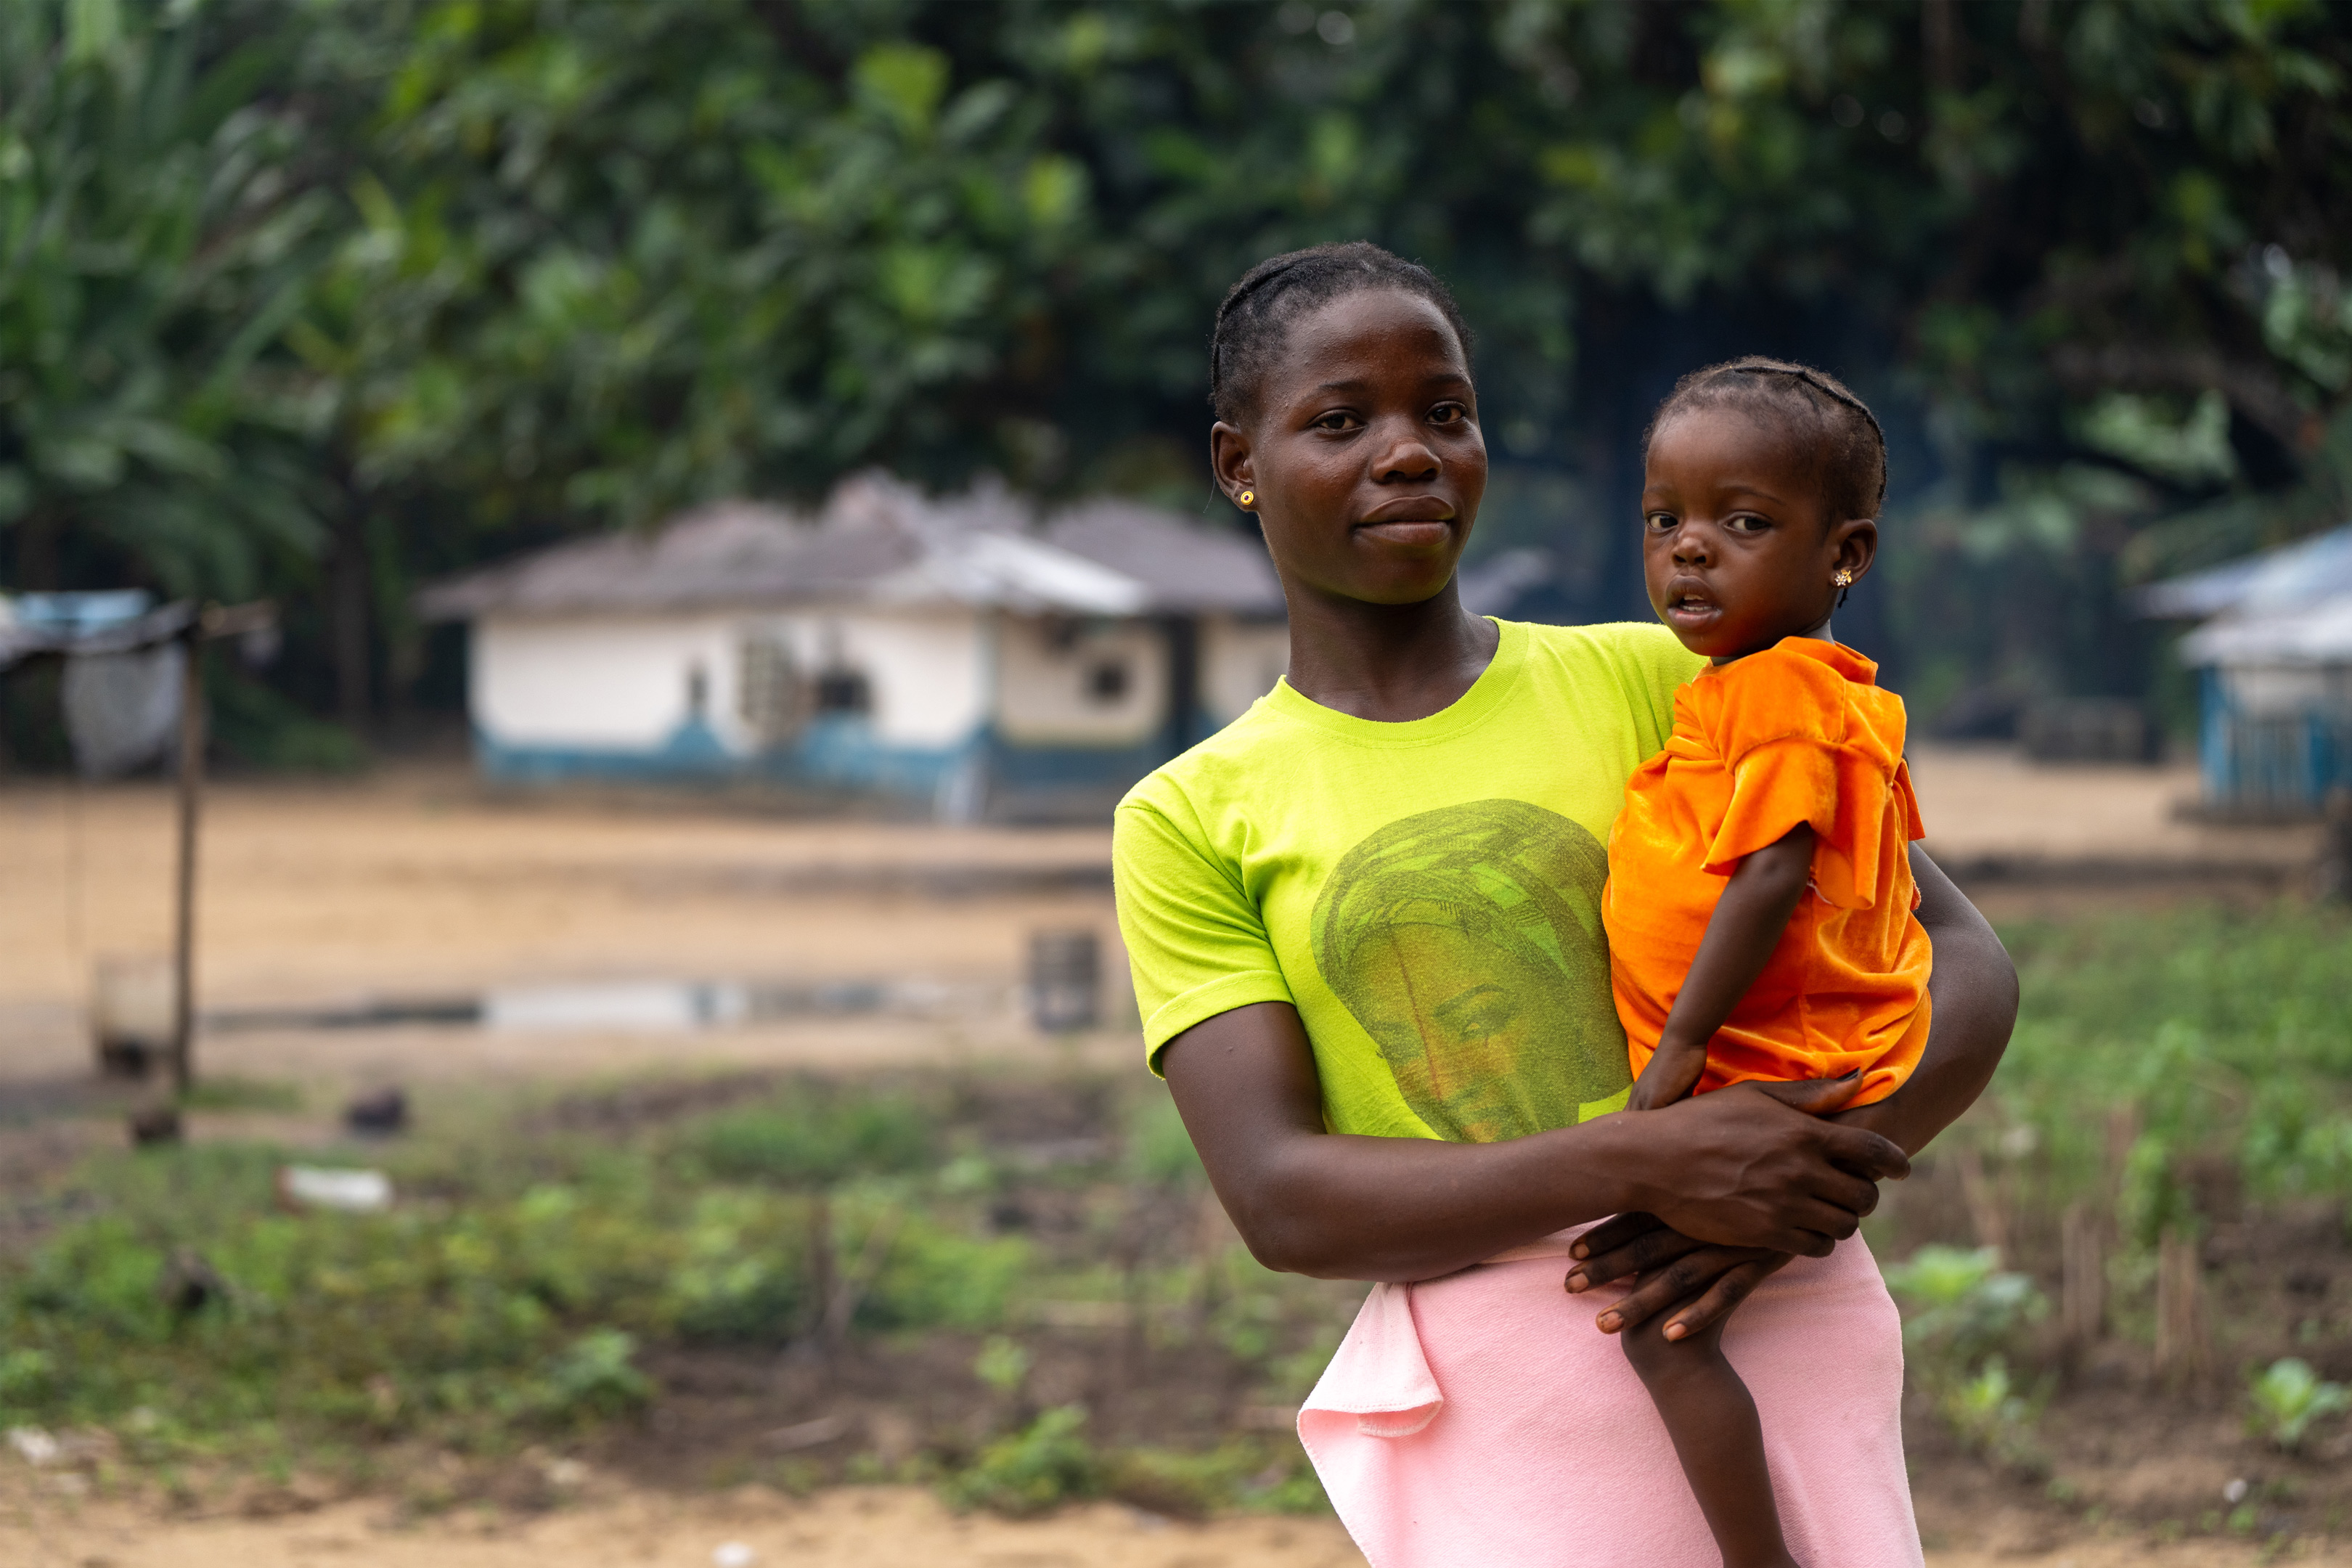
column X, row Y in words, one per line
column 841, row 689
column 1107, row 682
column 768, row 697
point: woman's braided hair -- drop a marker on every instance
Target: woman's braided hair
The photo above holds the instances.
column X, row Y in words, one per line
column 1258, row 312
column 1847, row 447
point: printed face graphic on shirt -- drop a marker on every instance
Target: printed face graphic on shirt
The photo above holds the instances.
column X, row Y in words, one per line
column 1467, row 942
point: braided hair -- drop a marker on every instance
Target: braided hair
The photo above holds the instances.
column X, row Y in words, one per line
column 1848, row 448
column 1254, row 318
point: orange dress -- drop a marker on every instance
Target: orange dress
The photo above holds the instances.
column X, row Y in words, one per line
column 1797, row 733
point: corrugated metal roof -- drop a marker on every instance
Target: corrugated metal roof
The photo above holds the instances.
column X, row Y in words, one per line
column 878, row 540
column 2290, row 577
column 1187, row 567
column 2316, row 633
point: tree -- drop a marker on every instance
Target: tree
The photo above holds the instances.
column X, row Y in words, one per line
column 457, row 275
column 148, row 260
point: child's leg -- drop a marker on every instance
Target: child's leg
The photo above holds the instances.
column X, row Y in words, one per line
column 1712, row 1420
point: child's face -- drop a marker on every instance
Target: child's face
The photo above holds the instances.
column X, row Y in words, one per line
column 1365, row 456
column 1734, row 544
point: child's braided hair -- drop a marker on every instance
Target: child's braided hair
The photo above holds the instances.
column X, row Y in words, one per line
column 1849, row 450
column 1258, row 312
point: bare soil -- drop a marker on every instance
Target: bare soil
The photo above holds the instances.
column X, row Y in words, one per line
column 609, row 1523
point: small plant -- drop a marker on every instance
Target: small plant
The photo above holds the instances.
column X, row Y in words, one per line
column 1002, row 1364
column 802, row 1139
column 1990, row 1415
column 2287, row 1397
column 594, row 1376
column 1032, row 1472
column 1965, row 1306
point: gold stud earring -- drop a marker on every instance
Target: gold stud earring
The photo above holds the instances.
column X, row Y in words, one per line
column 1247, row 496
column 1844, row 579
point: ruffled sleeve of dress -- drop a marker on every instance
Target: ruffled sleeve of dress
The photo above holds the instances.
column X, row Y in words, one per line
column 1810, row 741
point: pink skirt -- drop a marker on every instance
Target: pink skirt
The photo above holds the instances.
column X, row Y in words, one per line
column 1482, row 1419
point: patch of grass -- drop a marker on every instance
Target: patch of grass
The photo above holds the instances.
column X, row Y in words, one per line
column 532, row 1271
column 2213, row 1029
column 230, row 1092
column 807, row 1136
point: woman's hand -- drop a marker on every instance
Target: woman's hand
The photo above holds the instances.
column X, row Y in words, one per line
column 1755, row 1166
column 1974, row 988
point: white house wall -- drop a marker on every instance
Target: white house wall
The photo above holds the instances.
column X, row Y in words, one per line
column 601, row 683
column 1045, row 671
column 925, row 669
column 2265, row 691
column 928, row 671
column 1240, row 662
column 622, row 683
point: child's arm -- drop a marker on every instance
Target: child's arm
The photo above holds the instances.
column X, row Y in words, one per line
column 1741, row 936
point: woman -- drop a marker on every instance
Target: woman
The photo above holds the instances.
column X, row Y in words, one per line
column 1364, row 922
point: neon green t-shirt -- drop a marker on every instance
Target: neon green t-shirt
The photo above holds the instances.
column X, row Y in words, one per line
column 1426, row 894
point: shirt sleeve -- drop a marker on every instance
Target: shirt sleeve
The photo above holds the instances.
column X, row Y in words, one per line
column 1194, row 938
column 1780, row 726
column 1652, row 666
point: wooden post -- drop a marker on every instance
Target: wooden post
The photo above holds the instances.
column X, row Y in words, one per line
column 183, row 934
column 2082, row 1268
column 1987, row 1215
column 2184, row 1352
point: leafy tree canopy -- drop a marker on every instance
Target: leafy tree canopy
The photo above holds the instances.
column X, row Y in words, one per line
column 436, row 278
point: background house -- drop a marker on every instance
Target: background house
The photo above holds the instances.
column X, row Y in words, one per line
column 953, row 651
column 2275, row 650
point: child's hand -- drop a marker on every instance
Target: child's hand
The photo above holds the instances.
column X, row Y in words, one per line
column 1671, row 1073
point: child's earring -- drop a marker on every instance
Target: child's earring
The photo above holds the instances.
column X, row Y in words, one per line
column 1248, row 496
column 1843, row 582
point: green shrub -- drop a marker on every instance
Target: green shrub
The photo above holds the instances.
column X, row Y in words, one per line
column 1964, row 1309
column 742, row 1277
column 2286, row 1397
column 805, row 1139
column 1990, row 1415
column 593, row 1376
column 1964, row 1305
column 936, row 1277
column 1031, row 1471
column 1002, row 1363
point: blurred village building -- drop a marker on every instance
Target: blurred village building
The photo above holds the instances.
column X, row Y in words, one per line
column 958, row 653
column 2275, row 650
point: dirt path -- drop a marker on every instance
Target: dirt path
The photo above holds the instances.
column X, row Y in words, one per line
column 880, row 1527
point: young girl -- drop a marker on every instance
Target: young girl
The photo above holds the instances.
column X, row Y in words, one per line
column 1760, row 899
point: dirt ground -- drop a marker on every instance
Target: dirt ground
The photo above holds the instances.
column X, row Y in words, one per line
column 870, row 1526
column 415, row 884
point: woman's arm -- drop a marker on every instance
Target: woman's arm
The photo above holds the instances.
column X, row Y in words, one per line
column 1741, row 1166
column 1973, row 989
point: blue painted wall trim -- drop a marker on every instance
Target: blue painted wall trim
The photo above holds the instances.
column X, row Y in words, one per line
column 836, row 751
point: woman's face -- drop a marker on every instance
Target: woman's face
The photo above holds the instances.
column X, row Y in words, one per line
column 1364, row 458
column 1475, row 1035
